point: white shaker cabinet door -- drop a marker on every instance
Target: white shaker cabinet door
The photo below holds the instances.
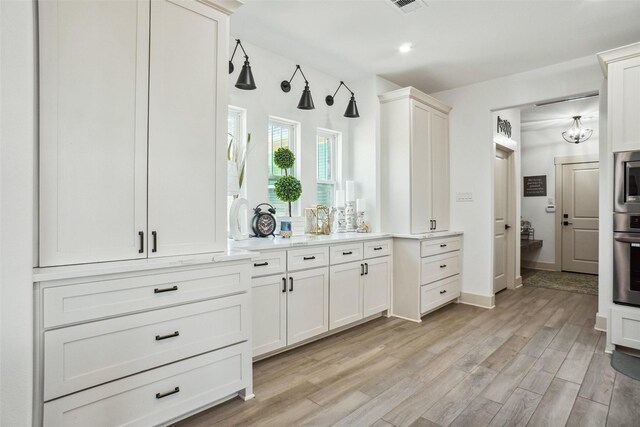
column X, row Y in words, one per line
column 624, row 104
column 308, row 304
column 187, row 128
column 377, row 281
column 420, row 169
column 440, row 170
column 345, row 284
column 93, row 130
column 269, row 313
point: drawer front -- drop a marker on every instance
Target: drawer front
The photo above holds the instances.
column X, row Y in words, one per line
column 439, row 246
column 106, row 298
column 341, row 254
column 440, row 266
column 86, row 355
column 377, row 248
column 270, row 263
column 439, row 293
column 301, row 259
column 145, row 399
column 625, row 327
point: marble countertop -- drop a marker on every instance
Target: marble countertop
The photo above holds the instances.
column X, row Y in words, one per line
column 268, row 243
column 434, row 235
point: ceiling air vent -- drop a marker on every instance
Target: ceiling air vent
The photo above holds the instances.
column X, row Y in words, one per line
column 408, row 6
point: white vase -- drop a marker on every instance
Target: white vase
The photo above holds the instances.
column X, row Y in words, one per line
column 238, row 219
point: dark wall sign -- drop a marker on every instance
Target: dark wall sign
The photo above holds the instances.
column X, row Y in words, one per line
column 504, row 127
column 535, row 186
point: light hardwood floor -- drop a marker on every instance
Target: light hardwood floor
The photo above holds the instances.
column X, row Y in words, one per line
column 533, row 360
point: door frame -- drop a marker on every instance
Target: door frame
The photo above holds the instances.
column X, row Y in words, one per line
column 511, row 148
column 559, row 162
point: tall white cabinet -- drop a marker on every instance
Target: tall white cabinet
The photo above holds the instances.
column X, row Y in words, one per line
column 132, row 135
column 621, row 66
column 415, row 174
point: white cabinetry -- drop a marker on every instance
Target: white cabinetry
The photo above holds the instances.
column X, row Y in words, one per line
column 132, row 96
column 415, row 144
column 138, row 353
column 622, row 68
column 300, row 304
column 426, row 274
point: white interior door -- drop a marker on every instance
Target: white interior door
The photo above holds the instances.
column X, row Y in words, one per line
column 187, row 128
column 308, row 304
column 580, row 218
column 500, row 208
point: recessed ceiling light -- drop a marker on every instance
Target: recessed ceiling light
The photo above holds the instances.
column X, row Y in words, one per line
column 405, row 48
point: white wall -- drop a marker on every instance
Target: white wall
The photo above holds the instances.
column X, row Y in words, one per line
column 471, row 129
column 17, row 140
column 539, row 149
column 268, row 99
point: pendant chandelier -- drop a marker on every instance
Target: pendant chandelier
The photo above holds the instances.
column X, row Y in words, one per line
column 576, row 133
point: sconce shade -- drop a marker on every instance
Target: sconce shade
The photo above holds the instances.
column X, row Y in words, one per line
column 306, row 102
column 352, row 109
column 245, row 79
column 576, row 133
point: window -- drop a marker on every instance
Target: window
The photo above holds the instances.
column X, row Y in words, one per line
column 327, row 166
column 235, row 132
column 281, row 134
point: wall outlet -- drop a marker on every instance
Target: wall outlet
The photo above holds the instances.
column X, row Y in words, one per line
column 464, row 197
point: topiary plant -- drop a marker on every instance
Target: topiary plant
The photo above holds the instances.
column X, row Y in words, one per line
column 287, row 187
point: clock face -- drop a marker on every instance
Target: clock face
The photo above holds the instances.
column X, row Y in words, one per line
column 266, row 224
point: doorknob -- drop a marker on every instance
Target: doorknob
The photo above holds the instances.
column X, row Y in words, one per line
column 567, row 223
column 507, row 226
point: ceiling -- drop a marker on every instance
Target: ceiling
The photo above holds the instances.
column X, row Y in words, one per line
column 455, row 43
column 550, row 116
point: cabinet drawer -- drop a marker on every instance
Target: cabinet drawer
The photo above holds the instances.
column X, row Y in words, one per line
column 377, row 248
column 301, row 259
column 346, row 253
column 105, row 298
column 432, row 296
column 625, row 327
column 439, row 246
column 440, row 266
column 86, row 355
column 270, row 263
column 138, row 400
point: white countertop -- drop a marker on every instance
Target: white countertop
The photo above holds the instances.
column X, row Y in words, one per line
column 268, row 243
column 97, row 269
column 434, row 235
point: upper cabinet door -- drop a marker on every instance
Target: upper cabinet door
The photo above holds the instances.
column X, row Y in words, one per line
column 93, row 130
column 187, row 128
column 440, row 170
column 624, row 104
column 420, row 169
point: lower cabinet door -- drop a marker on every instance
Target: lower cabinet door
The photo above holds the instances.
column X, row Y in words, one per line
column 156, row 396
column 307, row 304
column 345, row 295
column 269, row 313
column 376, row 285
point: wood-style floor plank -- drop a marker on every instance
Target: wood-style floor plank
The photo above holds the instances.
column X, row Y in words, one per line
column 534, row 360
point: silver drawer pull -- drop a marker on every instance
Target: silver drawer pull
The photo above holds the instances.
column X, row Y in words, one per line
column 308, row 258
column 379, row 248
column 347, row 253
column 169, row 393
column 159, row 291
column 443, row 246
column 443, row 265
column 443, row 292
column 164, row 337
column 261, row 264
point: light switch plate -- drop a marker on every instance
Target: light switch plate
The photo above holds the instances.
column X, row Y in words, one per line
column 464, row 196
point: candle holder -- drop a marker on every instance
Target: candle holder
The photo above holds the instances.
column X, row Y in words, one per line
column 341, row 221
column 350, row 216
column 362, row 226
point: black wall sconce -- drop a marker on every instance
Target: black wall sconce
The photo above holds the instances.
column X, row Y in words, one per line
column 245, row 79
column 352, row 109
column 306, row 102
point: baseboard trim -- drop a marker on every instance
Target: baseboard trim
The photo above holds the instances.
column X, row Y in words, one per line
column 538, row 265
column 483, row 301
column 518, row 281
column 406, row 318
column 601, row 323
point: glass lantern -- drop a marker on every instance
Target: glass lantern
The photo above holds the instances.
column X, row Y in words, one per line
column 317, row 220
